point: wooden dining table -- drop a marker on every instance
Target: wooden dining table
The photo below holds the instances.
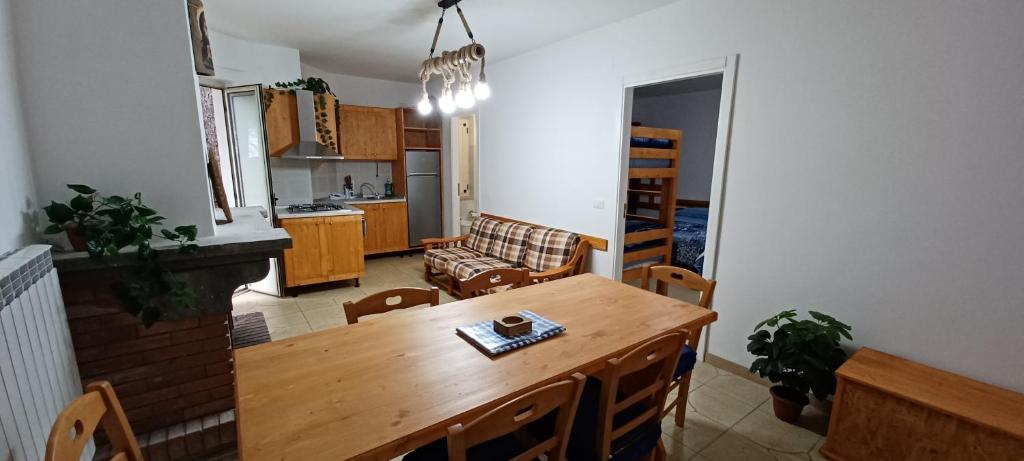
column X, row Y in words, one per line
column 384, row 386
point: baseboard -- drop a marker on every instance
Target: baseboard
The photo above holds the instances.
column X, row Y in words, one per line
column 736, row 369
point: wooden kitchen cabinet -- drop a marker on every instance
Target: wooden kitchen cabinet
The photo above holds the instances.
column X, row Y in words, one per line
column 367, row 133
column 324, row 249
column 281, row 118
column 387, row 227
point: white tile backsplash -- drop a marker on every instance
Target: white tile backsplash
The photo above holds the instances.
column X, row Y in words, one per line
column 291, row 180
column 301, row 181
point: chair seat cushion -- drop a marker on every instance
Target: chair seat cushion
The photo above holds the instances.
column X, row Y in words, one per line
column 439, row 258
column 633, row 445
column 504, row 447
column 465, row 269
column 687, row 360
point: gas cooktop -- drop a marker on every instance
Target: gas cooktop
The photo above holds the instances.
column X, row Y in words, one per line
column 315, row 207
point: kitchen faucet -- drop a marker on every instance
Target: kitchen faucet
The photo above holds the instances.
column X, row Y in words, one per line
column 366, row 184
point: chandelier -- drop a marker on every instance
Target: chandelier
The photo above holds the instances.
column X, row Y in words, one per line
column 454, row 68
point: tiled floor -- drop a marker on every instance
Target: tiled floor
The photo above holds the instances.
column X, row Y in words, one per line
column 727, row 418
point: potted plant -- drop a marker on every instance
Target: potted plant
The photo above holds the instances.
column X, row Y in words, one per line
column 801, row 355
column 105, row 225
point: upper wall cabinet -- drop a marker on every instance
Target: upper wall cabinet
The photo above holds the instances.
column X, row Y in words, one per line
column 367, row 133
column 282, row 120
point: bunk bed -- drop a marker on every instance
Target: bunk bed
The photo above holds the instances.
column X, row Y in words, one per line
column 650, row 205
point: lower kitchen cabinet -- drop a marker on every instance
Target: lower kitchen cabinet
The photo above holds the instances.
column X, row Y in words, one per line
column 324, row 249
column 387, row 227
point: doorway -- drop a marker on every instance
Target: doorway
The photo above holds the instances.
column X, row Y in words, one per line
column 465, row 156
column 717, row 76
column 694, row 101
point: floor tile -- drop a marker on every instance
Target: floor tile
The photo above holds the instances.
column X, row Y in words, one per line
column 282, row 310
column 277, row 334
column 702, row 372
column 734, row 447
column 771, row 432
column 676, row 451
column 740, row 388
column 697, row 432
column 719, row 406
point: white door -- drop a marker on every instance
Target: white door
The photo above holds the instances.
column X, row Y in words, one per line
column 247, row 142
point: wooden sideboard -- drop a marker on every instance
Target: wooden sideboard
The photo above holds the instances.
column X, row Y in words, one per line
column 889, row 408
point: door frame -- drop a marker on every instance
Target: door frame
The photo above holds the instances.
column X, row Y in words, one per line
column 725, row 65
column 455, row 217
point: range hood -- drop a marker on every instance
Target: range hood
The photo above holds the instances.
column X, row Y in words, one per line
column 308, row 147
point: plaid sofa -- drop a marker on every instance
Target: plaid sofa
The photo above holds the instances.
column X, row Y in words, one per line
column 495, row 244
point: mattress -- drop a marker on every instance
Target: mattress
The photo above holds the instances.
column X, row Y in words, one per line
column 689, row 236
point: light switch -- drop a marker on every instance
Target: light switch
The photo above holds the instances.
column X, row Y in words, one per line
column 598, row 204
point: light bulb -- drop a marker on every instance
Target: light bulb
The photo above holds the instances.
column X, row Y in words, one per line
column 425, row 107
column 482, row 90
column 445, row 102
column 464, row 98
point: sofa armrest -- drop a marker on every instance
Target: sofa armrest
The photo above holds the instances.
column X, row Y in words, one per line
column 552, row 274
column 573, row 267
column 444, row 242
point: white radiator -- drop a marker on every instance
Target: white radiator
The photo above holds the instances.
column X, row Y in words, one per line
column 37, row 361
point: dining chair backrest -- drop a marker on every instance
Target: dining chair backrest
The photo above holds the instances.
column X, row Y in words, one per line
column 75, row 426
column 665, row 275
column 638, row 381
column 562, row 396
column 385, row 301
column 484, row 282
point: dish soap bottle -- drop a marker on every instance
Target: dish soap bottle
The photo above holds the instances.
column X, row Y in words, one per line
column 388, row 188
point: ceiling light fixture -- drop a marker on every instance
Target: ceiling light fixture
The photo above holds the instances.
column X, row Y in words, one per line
column 452, row 66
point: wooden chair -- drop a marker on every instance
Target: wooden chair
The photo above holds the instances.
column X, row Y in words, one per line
column 505, row 432
column 665, row 275
column 378, row 303
column 76, row 425
column 486, row 282
column 633, row 390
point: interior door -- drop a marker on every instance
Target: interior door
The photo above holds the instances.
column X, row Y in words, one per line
column 247, row 145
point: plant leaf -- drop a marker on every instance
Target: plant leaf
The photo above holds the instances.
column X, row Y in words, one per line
column 82, row 189
column 59, row 213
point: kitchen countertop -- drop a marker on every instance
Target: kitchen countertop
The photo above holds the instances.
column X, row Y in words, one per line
column 283, row 213
column 361, row 201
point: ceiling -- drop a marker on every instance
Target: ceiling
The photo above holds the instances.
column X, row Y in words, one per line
column 388, row 38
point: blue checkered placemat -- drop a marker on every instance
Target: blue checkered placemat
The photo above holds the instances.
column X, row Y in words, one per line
column 482, row 334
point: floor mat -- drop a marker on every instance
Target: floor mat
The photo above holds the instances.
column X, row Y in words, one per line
column 250, row 330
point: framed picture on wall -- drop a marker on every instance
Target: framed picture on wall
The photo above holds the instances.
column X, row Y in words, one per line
column 201, row 51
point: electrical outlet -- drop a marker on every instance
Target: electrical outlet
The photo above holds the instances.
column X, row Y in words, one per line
column 598, row 204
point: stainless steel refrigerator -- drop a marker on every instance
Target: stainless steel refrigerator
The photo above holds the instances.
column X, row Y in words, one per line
column 423, row 185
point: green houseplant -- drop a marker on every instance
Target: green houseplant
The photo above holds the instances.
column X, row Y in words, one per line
column 106, row 225
column 801, row 355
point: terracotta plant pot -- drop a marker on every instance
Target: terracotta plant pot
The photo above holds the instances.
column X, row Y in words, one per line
column 787, row 403
column 78, row 241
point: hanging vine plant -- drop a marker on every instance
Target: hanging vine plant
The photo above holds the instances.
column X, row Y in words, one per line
column 105, row 225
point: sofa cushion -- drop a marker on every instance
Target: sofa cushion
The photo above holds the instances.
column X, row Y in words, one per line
column 510, row 242
column 481, row 234
column 439, row 258
column 465, row 269
column 549, row 249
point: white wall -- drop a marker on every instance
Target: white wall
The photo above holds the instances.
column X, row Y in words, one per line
column 696, row 114
column 362, row 91
column 874, row 173
column 241, row 62
column 110, row 100
column 17, row 209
